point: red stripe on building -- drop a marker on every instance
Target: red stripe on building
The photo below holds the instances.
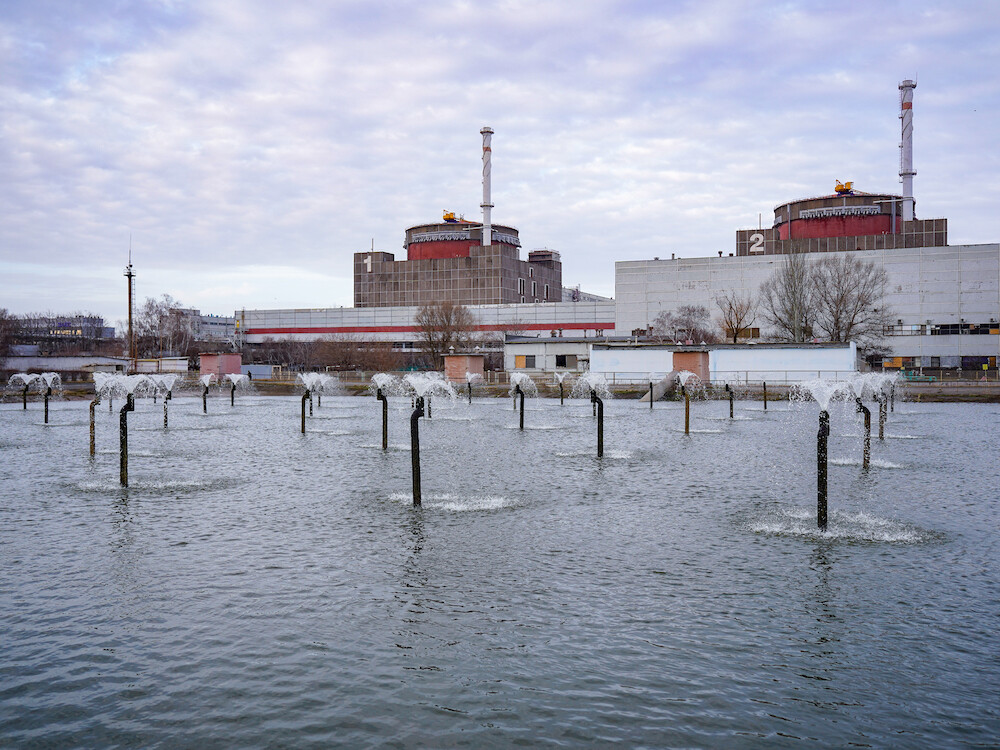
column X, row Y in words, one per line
column 907, row 105
column 415, row 329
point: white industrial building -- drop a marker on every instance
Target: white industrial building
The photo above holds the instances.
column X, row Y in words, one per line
column 945, row 301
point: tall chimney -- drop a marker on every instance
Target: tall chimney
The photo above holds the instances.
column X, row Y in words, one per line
column 487, row 133
column 906, row 170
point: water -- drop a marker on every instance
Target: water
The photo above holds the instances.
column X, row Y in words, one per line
column 256, row 587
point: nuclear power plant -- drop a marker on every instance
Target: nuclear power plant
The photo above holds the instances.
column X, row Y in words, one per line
column 944, row 300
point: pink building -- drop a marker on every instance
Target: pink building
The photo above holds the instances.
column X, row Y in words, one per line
column 220, row 364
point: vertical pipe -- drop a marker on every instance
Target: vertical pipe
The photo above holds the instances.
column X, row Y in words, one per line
column 310, row 395
column 232, row 394
column 470, row 393
column 650, row 396
column 867, row 452
column 520, row 394
column 319, row 399
column 93, row 433
column 123, row 438
column 765, row 396
column 48, row 392
column 821, row 444
column 561, row 394
column 427, row 401
column 166, row 398
column 687, row 410
column 24, row 397
column 204, row 400
column 881, row 416
column 418, row 412
column 385, row 418
column 599, row 406
column 304, row 397
column 730, row 392
column 892, row 397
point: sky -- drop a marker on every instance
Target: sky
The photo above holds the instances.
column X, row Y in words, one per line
column 245, row 149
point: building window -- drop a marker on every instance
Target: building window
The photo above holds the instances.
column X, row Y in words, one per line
column 546, row 291
column 565, row 360
column 534, row 289
column 520, row 287
column 524, row 361
column 531, row 272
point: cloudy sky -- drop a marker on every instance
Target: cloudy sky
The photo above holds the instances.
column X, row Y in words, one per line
column 247, row 148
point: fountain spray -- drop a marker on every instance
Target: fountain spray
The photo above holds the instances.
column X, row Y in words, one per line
column 599, row 409
column 867, row 454
column 821, row 446
column 418, row 412
column 518, row 393
column 123, row 437
column 385, row 418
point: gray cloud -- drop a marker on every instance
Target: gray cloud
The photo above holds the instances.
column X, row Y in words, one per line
column 231, row 137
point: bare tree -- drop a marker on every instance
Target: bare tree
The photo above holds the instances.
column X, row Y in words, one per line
column 351, row 352
column 443, row 325
column 739, row 311
column 163, row 326
column 786, row 299
column 9, row 326
column 686, row 323
column 848, row 296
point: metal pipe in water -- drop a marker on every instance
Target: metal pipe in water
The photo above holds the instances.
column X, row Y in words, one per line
column 599, row 407
column 418, row 412
column 561, row 398
column 470, row 392
column 765, row 396
column 123, row 438
column 385, row 418
column 232, row 394
column 93, row 440
column 204, row 400
column 309, row 394
column 730, row 392
column 518, row 393
column 304, row 397
column 687, row 410
column 319, row 400
column 24, row 397
column 821, row 444
column 48, row 392
column 427, row 401
column 165, row 399
column 650, row 395
column 867, row 454
column 892, row 397
column 881, row 416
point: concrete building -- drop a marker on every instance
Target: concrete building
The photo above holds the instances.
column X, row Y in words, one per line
column 945, row 301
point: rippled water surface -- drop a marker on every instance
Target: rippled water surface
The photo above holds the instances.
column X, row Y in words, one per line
column 256, row 587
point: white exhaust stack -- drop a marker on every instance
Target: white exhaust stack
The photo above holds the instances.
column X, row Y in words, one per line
column 487, row 133
column 906, row 170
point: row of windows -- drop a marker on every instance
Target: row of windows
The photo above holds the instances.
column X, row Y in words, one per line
column 534, row 289
column 947, row 329
column 527, row 361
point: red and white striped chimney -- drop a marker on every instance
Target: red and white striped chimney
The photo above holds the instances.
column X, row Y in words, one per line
column 487, row 133
column 906, row 170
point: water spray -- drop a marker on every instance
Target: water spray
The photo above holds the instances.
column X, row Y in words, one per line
column 821, row 446
column 123, row 437
column 418, row 412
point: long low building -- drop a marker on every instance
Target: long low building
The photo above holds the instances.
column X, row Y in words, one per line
column 398, row 324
